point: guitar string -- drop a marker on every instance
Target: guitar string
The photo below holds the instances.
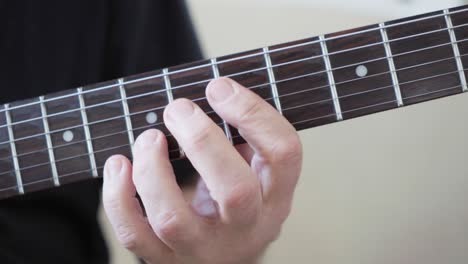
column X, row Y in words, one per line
column 267, row 84
column 230, row 75
column 252, row 87
column 322, row 56
column 220, row 124
column 198, row 99
column 247, row 72
column 235, row 137
column 302, row 121
column 385, row 26
column 449, row 13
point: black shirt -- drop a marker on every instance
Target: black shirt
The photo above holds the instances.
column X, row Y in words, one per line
column 51, row 45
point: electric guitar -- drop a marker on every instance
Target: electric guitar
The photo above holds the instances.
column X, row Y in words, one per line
column 66, row 137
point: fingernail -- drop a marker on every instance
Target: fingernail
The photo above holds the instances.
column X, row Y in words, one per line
column 148, row 138
column 180, row 109
column 220, row 90
column 114, row 166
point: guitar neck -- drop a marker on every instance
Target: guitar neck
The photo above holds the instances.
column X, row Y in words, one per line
column 66, row 137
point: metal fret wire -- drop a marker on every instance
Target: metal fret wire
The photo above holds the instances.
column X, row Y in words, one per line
column 215, row 70
column 19, row 180
column 167, row 73
column 252, row 87
column 270, row 52
column 50, row 146
column 456, row 49
column 272, row 80
column 128, row 121
column 331, row 80
column 391, row 64
column 198, row 99
column 170, row 97
column 295, row 123
column 87, row 132
column 221, row 124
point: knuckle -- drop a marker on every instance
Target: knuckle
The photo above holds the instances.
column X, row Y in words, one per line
column 127, row 237
column 250, row 111
column 169, row 225
column 199, row 138
column 242, row 197
column 140, row 167
column 289, row 149
column 123, row 231
column 111, row 201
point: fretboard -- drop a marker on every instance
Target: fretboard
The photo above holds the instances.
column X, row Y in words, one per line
column 66, row 137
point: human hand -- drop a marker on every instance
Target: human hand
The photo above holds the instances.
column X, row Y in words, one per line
column 241, row 201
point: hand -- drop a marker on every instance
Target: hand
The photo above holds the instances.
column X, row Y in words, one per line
column 244, row 194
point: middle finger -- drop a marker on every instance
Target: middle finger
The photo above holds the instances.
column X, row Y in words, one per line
column 227, row 175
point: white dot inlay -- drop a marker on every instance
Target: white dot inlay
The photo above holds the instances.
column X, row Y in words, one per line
column 68, row 136
column 151, row 118
column 361, row 71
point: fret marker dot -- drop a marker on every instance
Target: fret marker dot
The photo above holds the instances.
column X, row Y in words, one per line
column 151, row 118
column 361, row 71
column 68, row 136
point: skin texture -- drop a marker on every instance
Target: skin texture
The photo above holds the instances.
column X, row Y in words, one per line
column 242, row 198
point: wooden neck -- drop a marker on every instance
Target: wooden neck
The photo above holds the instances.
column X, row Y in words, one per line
column 65, row 137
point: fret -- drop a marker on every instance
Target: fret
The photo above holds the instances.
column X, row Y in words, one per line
column 214, row 67
column 146, row 102
column 251, row 72
column 13, row 152
column 45, row 123
column 8, row 180
column 89, row 143
column 106, row 121
column 271, row 77
column 362, row 74
column 425, row 63
column 27, row 129
column 331, row 78
column 128, row 121
column 170, row 99
column 391, row 64
column 167, row 83
column 456, row 50
column 303, row 86
column 67, row 122
column 460, row 21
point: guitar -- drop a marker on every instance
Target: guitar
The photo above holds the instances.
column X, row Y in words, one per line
column 66, row 137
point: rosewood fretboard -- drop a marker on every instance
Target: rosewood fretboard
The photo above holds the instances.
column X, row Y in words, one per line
column 66, row 137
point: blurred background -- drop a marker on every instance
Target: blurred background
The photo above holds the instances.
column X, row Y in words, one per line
column 387, row 188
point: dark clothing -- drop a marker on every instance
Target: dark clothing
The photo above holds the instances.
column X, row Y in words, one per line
column 51, row 45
